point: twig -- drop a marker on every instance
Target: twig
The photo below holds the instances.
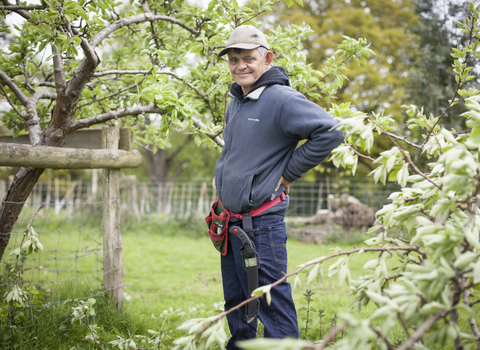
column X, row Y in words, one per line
column 11, row 103
column 460, row 82
column 404, row 139
column 109, row 72
column 472, row 322
column 360, row 154
column 424, row 328
column 14, row 87
column 137, row 19
column 214, row 137
column 24, row 8
column 111, row 95
column 93, row 333
column 102, row 118
column 408, row 158
column 329, row 337
column 414, row 248
column 389, row 344
column 23, row 239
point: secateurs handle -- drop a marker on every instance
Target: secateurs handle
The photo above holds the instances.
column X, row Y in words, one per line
column 248, row 245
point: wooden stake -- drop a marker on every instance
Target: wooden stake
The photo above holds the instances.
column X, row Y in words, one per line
column 112, row 240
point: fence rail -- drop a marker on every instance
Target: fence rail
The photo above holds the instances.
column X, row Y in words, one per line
column 193, row 199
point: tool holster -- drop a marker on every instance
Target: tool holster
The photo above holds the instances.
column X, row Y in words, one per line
column 251, row 261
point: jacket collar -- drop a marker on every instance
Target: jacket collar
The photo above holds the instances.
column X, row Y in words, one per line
column 254, row 95
column 275, row 75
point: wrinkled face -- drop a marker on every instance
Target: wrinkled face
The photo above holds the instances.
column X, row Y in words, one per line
column 246, row 67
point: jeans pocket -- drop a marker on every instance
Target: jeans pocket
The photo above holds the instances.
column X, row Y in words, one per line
column 278, row 243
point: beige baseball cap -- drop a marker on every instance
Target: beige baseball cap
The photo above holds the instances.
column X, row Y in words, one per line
column 245, row 37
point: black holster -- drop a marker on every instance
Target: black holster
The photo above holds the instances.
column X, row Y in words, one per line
column 250, row 260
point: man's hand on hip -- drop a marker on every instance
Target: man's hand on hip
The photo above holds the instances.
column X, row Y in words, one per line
column 285, row 184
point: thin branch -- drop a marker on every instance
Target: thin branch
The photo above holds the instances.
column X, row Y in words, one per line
column 93, row 332
column 407, row 157
column 361, row 154
column 45, row 83
column 329, row 337
column 191, row 86
column 111, row 95
column 423, row 329
column 404, row 139
column 214, row 137
column 460, row 82
column 104, row 33
column 24, row 8
column 402, row 322
column 472, row 322
column 258, row 14
column 23, row 239
column 102, row 118
column 146, row 9
column 109, row 72
column 5, row 79
column 11, row 103
column 59, row 71
column 389, row 344
column 413, row 248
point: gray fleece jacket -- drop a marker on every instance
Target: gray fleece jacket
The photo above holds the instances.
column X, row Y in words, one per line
column 261, row 136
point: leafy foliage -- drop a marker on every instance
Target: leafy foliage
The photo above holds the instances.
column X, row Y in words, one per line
column 429, row 292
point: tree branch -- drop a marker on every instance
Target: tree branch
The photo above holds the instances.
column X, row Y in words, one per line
column 87, row 48
column 330, row 337
column 472, row 322
column 137, row 19
column 102, row 118
column 11, row 103
column 108, row 72
column 21, row 10
column 146, row 9
column 32, row 122
column 459, row 83
column 25, row 8
column 214, row 137
column 423, row 329
column 407, row 157
column 5, row 79
column 404, row 139
column 59, row 71
column 413, row 248
column 111, row 95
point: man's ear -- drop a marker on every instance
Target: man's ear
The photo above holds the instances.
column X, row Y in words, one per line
column 269, row 58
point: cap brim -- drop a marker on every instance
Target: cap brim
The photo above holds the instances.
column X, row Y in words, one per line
column 238, row 46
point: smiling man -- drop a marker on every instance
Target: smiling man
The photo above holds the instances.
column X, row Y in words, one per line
column 265, row 121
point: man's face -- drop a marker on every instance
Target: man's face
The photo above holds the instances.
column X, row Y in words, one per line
column 246, row 67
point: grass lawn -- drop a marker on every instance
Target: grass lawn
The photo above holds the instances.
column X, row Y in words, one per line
column 172, row 274
column 180, row 273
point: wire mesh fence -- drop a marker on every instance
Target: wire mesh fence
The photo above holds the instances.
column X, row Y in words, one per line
column 141, row 200
column 70, row 227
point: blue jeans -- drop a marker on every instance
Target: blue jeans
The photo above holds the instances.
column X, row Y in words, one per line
column 280, row 317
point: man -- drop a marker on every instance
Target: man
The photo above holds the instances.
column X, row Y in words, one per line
column 265, row 121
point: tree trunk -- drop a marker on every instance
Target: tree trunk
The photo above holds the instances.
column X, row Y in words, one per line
column 13, row 202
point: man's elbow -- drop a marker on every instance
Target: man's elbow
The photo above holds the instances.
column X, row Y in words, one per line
column 336, row 137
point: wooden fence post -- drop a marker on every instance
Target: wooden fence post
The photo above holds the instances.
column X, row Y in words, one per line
column 112, row 240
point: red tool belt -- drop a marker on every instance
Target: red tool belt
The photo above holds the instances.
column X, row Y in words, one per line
column 218, row 218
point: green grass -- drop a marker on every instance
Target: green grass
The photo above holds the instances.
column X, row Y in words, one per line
column 172, row 273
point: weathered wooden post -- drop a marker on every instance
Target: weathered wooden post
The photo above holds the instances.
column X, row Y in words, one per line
column 112, row 240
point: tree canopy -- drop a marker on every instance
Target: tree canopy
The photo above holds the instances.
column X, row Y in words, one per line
column 152, row 66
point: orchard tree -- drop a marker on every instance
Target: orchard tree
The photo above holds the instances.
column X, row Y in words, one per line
column 428, row 295
column 154, row 64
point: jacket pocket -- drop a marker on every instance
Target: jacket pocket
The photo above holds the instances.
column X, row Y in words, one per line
column 251, row 190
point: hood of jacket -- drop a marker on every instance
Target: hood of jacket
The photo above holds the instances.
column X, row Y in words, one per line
column 275, row 75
